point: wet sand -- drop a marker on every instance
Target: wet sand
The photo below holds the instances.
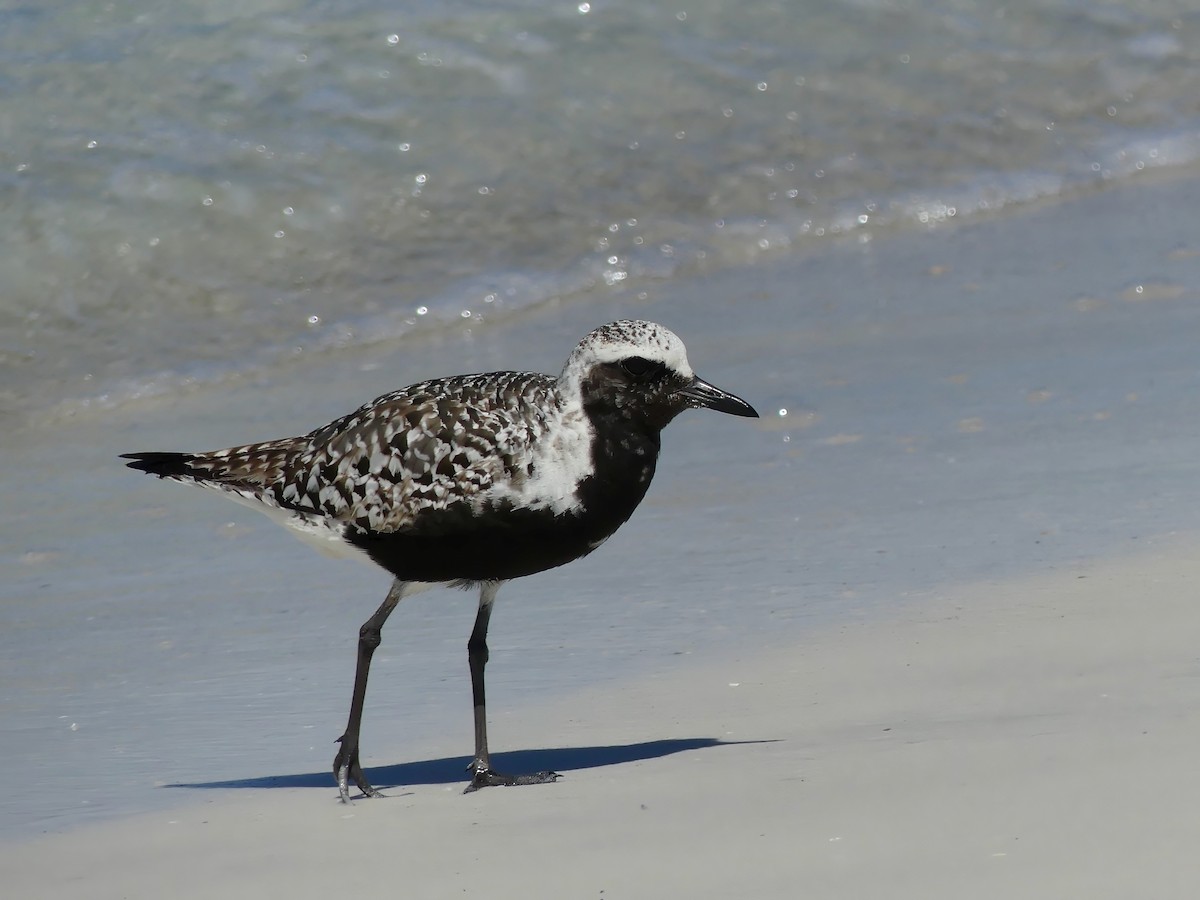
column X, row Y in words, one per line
column 930, row 633
column 1029, row 738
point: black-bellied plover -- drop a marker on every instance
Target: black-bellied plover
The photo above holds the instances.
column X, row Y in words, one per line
column 471, row 480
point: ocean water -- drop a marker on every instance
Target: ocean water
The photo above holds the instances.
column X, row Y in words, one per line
column 200, row 190
column 225, row 222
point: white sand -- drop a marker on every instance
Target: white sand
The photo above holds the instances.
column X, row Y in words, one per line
column 1034, row 738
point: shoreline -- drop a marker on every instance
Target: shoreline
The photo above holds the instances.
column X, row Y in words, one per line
column 145, row 393
column 977, row 403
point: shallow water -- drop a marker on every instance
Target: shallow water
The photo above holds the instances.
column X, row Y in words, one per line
column 286, row 212
column 202, row 189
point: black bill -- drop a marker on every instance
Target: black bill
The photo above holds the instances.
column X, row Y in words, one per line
column 701, row 393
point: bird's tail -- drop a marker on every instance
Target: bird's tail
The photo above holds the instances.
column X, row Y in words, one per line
column 164, row 465
column 249, row 468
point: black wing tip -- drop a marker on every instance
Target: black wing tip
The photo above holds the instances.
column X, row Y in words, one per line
column 163, row 465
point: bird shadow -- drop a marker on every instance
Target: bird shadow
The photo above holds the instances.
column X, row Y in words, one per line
column 450, row 769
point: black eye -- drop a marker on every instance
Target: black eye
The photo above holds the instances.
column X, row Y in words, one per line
column 638, row 366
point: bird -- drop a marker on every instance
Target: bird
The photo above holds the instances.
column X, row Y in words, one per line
column 469, row 481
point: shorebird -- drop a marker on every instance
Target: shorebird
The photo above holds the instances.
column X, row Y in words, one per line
column 469, row 481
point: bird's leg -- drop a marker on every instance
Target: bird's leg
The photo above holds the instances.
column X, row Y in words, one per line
column 346, row 766
column 482, row 773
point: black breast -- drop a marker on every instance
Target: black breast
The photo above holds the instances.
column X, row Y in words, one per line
column 459, row 544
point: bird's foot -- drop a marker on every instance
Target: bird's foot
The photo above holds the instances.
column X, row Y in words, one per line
column 485, row 776
column 346, row 768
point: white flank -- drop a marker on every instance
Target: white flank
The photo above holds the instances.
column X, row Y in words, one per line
column 319, row 532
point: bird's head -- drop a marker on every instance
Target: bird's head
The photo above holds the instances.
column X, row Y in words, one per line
column 639, row 371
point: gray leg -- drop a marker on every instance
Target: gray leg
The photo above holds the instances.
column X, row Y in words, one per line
column 346, row 765
column 482, row 774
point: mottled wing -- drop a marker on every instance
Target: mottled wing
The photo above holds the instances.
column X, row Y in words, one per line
column 428, row 447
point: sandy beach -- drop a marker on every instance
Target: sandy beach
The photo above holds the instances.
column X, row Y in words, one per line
column 929, row 633
column 926, row 629
column 1032, row 738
